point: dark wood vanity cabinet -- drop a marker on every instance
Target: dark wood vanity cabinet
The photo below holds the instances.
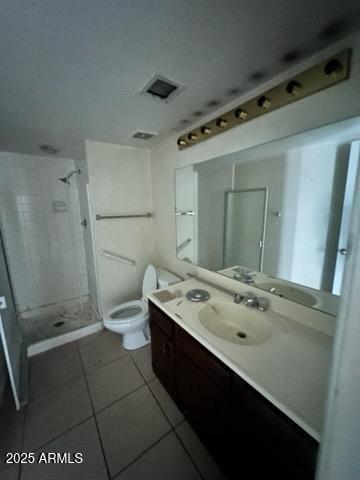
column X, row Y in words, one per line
column 246, row 434
column 163, row 357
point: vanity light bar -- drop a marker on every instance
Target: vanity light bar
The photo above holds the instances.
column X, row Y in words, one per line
column 323, row 75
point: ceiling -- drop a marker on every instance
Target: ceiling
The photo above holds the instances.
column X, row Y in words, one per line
column 71, row 71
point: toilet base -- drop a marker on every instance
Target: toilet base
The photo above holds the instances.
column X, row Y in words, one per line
column 132, row 341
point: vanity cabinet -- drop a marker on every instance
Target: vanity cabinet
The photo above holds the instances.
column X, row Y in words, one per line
column 163, row 351
column 246, row 434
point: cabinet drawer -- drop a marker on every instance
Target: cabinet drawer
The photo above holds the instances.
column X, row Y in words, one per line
column 213, row 368
column 161, row 320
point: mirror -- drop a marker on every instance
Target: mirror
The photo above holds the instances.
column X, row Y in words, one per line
column 275, row 216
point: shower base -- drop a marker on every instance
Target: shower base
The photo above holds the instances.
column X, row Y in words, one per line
column 46, row 326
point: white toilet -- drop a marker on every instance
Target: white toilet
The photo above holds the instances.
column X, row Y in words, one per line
column 131, row 319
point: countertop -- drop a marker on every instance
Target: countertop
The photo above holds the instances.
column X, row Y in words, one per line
column 290, row 369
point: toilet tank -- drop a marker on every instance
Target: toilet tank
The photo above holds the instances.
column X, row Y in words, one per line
column 166, row 278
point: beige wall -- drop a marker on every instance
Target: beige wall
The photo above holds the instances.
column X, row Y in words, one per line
column 328, row 106
column 119, row 183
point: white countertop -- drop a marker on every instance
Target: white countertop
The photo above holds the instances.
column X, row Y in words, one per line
column 290, row 369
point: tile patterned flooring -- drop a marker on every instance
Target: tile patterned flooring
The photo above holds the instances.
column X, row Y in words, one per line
column 94, row 397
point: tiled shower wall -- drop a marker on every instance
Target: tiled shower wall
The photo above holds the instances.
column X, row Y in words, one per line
column 44, row 247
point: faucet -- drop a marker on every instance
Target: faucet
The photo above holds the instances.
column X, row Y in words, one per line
column 250, row 300
column 244, row 277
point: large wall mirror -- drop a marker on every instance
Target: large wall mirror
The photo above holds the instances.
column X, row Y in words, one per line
column 275, row 216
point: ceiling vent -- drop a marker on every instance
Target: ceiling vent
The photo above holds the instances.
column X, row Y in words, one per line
column 162, row 87
column 143, row 135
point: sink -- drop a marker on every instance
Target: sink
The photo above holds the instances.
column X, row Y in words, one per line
column 235, row 323
column 291, row 293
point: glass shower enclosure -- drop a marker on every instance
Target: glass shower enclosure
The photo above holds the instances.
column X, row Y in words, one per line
column 14, row 350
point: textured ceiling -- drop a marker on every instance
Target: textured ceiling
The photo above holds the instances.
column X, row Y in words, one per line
column 71, row 71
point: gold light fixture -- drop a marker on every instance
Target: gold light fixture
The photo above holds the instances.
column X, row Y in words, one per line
column 294, row 88
column 318, row 77
column 205, row 130
column 240, row 113
column 192, row 137
column 221, row 122
column 264, row 102
column 333, row 68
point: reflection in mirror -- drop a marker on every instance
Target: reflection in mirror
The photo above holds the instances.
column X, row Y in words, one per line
column 275, row 216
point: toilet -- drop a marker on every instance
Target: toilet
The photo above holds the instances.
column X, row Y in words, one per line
column 131, row 319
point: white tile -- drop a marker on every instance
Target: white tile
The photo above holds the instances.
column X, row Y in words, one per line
column 29, row 221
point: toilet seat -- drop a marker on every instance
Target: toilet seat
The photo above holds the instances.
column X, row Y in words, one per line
column 128, row 312
column 131, row 319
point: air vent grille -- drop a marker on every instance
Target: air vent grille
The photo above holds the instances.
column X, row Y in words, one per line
column 161, row 88
column 143, row 135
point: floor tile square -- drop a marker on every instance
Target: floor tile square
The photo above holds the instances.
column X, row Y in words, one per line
column 201, row 457
column 129, row 427
column 100, row 348
column 142, row 359
column 165, row 460
column 168, row 405
column 11, row 431
column 54, row 413
column 54, row 368
column 11, row 473
column 111, row 382
column 83, row 439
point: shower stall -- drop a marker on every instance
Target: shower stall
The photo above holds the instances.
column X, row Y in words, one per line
column 43, row 223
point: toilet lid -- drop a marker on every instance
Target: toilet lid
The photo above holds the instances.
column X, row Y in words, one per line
column 150, row 280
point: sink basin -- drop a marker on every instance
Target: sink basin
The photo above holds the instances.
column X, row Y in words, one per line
column 235, row 323
column 291, row 293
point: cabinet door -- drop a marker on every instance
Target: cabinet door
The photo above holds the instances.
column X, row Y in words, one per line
column 163, row 357
column 204, row 404
column 275, row 445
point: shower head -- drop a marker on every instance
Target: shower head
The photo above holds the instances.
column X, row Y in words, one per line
column 66, row 179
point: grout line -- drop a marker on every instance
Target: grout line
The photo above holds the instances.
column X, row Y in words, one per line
column 94, row 416
column 140, row 372
column 157, row 401
column 61, row 434
column 118, row 399
column 55, row 389
column 192, row 460
column 88, row 372
column 143, row 453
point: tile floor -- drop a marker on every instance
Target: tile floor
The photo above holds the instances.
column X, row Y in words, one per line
column 92, row 396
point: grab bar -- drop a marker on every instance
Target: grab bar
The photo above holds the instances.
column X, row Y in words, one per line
column 105, row 217
column 115, row 256
column 182, row 245
column 189, row 212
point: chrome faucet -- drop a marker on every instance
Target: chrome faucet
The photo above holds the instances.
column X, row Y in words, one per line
column 250, row 300
column 238, row 298
column 243, row 277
